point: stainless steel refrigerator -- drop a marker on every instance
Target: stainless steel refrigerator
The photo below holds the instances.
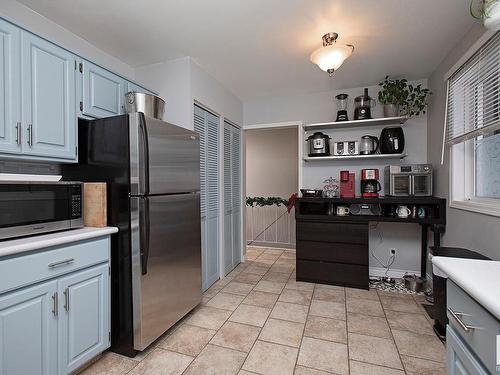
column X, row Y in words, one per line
column 152, row 170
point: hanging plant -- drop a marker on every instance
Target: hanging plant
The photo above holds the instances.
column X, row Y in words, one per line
column 266, row 201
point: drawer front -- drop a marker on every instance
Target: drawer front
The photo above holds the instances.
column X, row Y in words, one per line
column 333, row 232
column 22, row 270
column 333, row 273
column 482, row 338
column 333, row 252
column 459, row 359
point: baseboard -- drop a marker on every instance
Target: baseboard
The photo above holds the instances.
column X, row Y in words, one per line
column 273, row 244
column 395, row 273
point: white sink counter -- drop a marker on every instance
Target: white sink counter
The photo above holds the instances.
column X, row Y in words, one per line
column 20, row 245
column 478, row 278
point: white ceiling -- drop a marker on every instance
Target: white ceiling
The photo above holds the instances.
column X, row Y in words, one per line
column 261, row 47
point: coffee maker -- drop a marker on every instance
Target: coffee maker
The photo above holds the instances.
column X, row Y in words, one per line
column 342, row 102
column 347, row 186
column 363, row 105
column 370, row 186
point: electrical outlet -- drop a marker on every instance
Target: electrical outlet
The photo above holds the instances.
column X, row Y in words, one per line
column 392, row 251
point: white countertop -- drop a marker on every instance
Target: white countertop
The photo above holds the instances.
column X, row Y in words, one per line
column 478, row 278
column 20, row 245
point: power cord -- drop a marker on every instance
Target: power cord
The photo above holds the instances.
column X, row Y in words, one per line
column 390, row 261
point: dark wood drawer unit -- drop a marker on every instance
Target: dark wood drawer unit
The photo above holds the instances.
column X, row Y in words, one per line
column 353, row 233
column 351, row 275
column 333, row 252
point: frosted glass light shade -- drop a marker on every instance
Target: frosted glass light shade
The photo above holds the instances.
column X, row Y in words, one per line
column 330, row 58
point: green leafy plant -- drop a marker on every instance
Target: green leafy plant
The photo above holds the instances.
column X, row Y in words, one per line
column 269, row 201
column 412, row 99
column 394, row 91
column 480, row 9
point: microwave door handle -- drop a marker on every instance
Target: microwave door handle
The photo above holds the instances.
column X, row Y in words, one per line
column 144, row 230
column 412, row 185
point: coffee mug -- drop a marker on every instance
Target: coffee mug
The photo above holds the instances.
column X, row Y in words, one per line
column 342, row 211
column 421, row 212
column 403, row 211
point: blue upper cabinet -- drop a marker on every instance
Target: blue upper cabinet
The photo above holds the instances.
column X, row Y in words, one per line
column 103, row 92
column 10, row 88
column 49, row 113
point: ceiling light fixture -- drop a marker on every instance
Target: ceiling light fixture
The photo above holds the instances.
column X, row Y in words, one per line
column 331, row 56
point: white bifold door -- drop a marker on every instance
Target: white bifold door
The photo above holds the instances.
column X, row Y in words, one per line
column 232, row 197
column 207, row 125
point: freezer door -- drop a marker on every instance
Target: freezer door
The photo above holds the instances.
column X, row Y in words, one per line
column 164, row 158
column 166, row 262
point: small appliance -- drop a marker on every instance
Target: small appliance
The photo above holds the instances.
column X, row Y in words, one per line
column 368, row 145
column 342, row 103
column 346, row 148
column 365, row 209
column 363, row 105
column 28, row 208
column 392, row 140
column 319, row 144
column 408, row 180
column 370, row 186
column 311, row 193
column 347, row 184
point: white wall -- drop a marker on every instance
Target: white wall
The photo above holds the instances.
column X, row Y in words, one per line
column 271, row 164
column 463, row 229
column 320, row 107
column 182, row 82
column 23, row 16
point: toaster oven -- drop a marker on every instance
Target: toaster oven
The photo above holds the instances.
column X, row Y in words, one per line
column 28, row 208
column 408, row 180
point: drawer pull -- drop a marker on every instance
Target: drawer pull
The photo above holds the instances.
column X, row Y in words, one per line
column 456, row 316
column 61, row 262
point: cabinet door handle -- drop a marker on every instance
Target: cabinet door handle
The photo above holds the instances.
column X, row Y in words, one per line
column 30, row 135
column 61, row 262
column 456, row 315
column 55, row 304
column 18, row 133
column 66, row 299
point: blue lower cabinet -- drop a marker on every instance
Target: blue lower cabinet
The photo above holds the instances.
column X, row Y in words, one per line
column 84, row 320
column 460, row 360
column 28, row 331
column 103, row 92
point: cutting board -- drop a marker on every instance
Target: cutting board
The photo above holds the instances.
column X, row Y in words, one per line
column 94, row 204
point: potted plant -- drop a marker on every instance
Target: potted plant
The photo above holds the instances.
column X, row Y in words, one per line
column 487, row 11
column 398, row 96
column 393, row 95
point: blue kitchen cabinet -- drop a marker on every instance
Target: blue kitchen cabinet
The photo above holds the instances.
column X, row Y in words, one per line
column 460, row 360
column 103, row 92
column 48, row 106
column 28, row 331
column 10, row 88
column 84, row 319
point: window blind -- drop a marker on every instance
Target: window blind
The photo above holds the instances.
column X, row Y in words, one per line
column 473, row 101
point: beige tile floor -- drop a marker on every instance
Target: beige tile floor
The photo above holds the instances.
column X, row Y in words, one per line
column 259, row 320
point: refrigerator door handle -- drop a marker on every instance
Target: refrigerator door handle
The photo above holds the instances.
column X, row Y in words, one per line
column 144, row 233
column 144, row 157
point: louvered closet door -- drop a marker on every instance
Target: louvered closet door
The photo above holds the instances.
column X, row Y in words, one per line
column 232, row 197
column 207, row 125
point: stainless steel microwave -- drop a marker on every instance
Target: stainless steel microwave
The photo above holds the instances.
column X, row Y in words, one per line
column 28, row 208
column 408, row 180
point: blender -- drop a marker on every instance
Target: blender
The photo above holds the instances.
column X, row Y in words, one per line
column 342, row 102
column 363, row 105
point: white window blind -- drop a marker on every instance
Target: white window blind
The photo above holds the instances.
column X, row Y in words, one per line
column 473, row 102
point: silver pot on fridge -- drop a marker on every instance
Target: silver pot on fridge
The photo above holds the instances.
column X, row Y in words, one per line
column 319, row 144
column 151, row 105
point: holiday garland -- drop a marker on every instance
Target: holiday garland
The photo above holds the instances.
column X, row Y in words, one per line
column 269, row 201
